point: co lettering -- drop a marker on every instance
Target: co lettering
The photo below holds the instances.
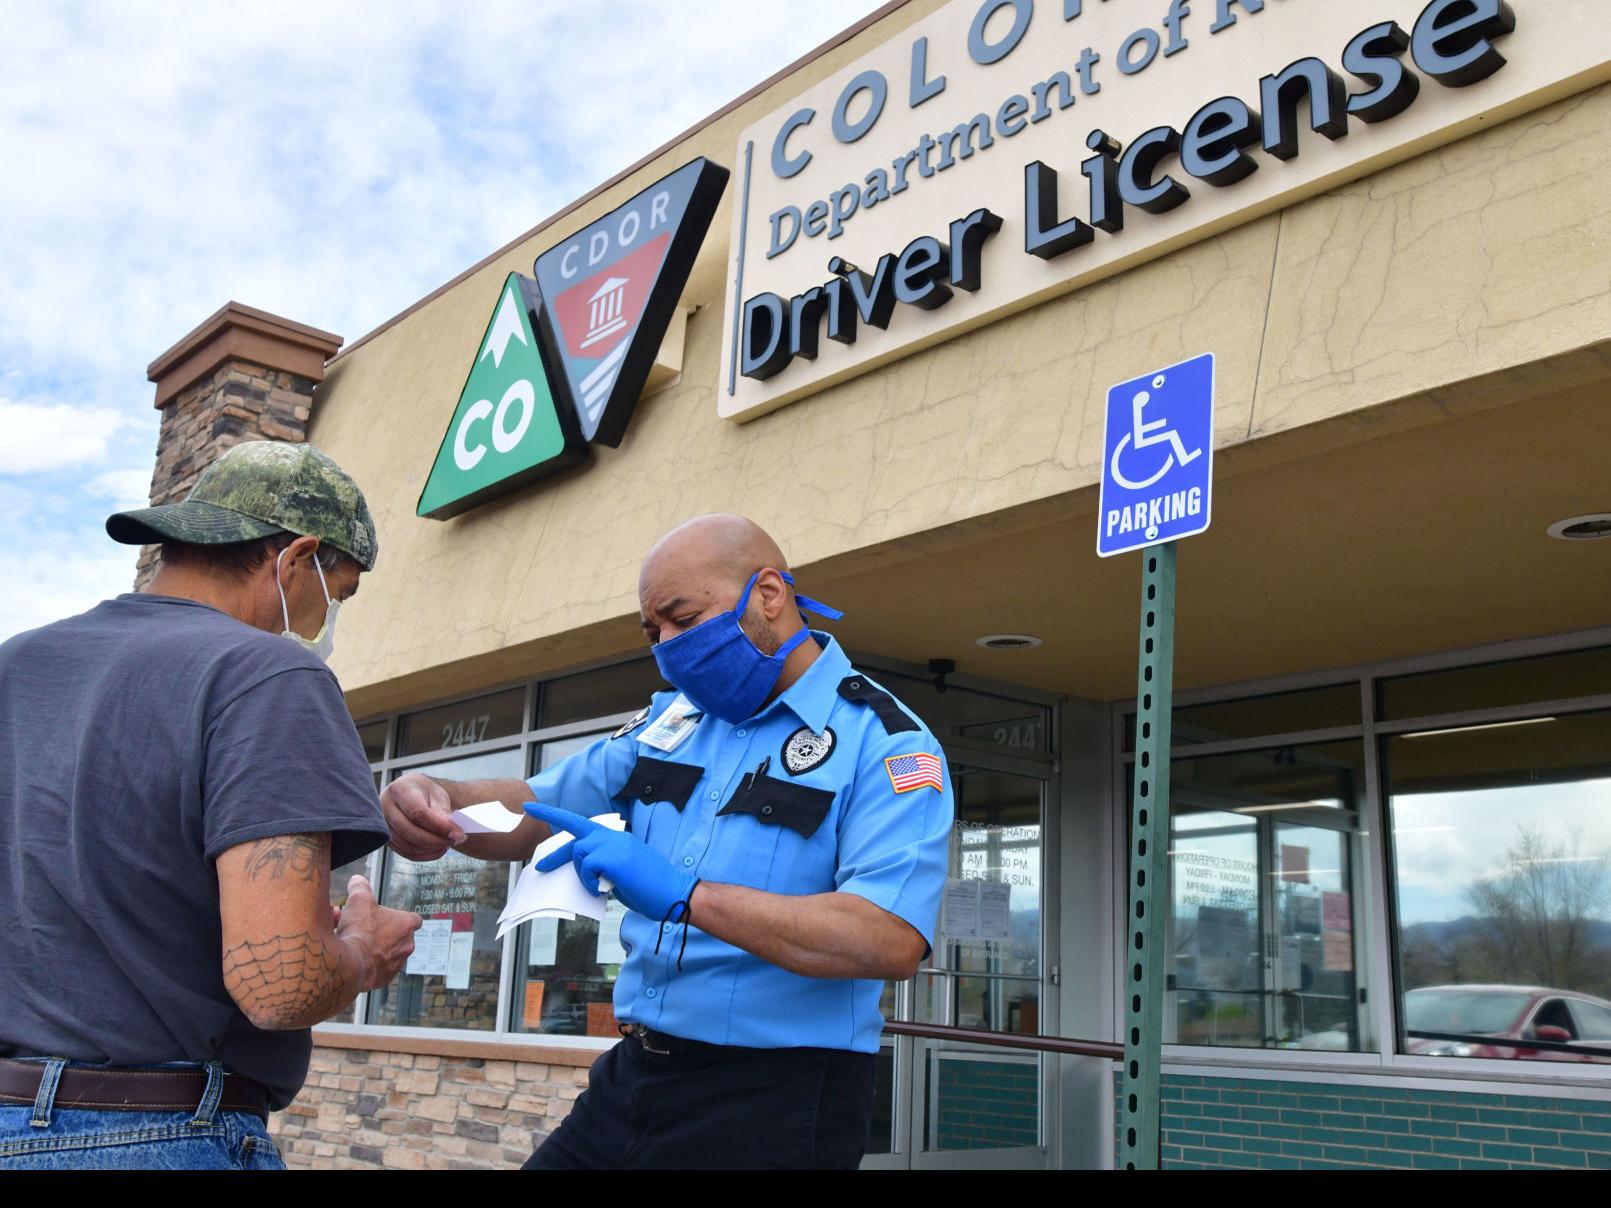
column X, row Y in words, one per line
column 505, row 437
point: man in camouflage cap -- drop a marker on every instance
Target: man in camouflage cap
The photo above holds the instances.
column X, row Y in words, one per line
column 200, row 779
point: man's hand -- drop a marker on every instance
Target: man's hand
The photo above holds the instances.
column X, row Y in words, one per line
column 645, row 880
column 417, row 810
column 383, row 937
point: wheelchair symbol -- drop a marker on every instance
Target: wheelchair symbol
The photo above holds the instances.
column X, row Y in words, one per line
column 1143, row 435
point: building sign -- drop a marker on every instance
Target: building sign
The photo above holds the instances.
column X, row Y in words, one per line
column 612, row 288
column 509, row 427
column 565, row 358
column 1001, row 152
column 1158, row 458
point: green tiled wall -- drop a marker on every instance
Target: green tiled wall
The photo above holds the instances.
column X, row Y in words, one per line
column 988, row 1104
column 1231, row 1123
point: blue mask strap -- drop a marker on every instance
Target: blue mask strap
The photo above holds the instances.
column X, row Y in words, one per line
column 744, row 599
column 807, row 604
column 788, row 646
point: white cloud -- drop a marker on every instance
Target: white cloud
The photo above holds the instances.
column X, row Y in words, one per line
column 56, row 575
column 48, row 436
column 329, row 162
column 124, row 488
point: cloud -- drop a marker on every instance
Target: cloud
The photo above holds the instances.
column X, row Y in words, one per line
column 124, row 488
column 329, row 162
column 58, row 574
column 48, row 436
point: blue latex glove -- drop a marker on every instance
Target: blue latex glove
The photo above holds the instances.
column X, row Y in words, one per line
column 644, row 879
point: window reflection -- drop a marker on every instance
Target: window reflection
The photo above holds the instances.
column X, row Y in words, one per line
column 1266, row 878
column 451, row 981
column 566, row 968
column 1502, row 854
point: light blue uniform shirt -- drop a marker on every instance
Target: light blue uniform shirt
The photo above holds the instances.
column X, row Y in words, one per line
column 808, row 824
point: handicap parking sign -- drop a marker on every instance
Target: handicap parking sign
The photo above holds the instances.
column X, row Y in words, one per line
column 1158, row 457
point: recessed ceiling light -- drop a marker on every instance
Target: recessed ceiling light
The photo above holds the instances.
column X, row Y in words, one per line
column 1582, row 528
column 1009, row 641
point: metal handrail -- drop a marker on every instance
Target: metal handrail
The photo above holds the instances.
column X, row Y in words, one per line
column 1007, row 1040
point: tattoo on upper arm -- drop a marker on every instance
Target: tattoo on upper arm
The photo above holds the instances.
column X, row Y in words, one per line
column 300, row 857
column 289, row 980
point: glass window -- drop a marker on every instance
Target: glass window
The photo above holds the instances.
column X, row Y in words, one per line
column 1267, row 873
column 566, row 968
column 1502, row 877
column 338, row 897
column 373, row 736
column 961, row 713
column 1495, row 685
column 1278, row 713
column 451, row 981
column 986, row 967
column 623, row 688
column 470, row 721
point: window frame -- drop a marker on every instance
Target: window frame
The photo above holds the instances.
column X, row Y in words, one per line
column 1380, row 949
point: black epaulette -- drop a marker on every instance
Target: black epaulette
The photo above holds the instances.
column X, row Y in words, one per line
column 863, row 691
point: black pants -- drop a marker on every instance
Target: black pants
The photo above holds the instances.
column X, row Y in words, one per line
column 733, row 1109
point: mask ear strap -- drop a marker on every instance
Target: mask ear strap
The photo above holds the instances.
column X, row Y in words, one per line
column 284, row 611
column 744, row 598
column 807, row 604
column 789, row 644
column 323, row 586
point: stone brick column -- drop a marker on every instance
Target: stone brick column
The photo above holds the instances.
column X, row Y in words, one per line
column 244, row 374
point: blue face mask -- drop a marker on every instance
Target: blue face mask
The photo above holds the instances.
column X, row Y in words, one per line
column 718, row 668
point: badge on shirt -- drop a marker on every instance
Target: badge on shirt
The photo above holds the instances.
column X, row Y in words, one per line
column 805, row 749
column 672, row 728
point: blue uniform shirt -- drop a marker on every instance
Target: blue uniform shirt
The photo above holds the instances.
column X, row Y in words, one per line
column 864, row 818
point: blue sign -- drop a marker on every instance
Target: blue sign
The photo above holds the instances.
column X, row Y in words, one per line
column 1158, row 458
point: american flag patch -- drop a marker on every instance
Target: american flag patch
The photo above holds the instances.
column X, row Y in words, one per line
column 908, row 772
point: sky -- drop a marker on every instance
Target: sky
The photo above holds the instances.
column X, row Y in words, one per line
column 330, row 162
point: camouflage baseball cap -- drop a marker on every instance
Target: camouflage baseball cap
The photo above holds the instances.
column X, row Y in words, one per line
column 255, row 490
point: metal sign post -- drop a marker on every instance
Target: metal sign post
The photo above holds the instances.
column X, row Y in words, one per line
column 1157, row 480
column 1146, row 923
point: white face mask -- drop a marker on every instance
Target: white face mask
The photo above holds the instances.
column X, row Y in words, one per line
column 325, row 641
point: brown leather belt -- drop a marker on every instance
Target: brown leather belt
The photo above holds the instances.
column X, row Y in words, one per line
column 108, row 1089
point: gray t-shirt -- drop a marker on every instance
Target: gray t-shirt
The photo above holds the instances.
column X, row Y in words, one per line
column 138, row 741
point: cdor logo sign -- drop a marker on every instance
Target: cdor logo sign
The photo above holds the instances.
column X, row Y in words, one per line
column 507, row 428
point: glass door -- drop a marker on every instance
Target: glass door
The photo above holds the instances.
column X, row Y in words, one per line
column 945, row 1103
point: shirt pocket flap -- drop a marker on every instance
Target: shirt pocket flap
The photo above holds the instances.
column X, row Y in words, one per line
column 775, row 803
column 661, row 780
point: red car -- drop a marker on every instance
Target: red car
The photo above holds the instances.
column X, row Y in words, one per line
column 1519, row 1013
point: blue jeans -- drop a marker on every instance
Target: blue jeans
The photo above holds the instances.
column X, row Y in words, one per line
column 48, row 1137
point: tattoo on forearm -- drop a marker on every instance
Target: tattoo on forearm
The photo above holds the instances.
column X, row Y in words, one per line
column 300, row 857
column 289, row 980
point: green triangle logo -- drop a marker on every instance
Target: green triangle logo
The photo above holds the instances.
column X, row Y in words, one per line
column 508, row 428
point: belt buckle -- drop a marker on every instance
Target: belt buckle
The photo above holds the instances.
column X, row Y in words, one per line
column 642, row 1033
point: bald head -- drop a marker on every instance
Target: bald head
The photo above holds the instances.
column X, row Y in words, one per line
column 697, row 570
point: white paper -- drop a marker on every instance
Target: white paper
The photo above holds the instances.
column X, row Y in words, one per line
column 960, row 914
column 488, row 817
column 460, row 946
column 995, row 910
column 558, row 894
column 673, row 726
column 1291, row 964
column 610, row 951
column 430, row 955
column 543, row 946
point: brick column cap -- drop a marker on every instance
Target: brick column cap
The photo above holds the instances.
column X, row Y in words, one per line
column 242, row 333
